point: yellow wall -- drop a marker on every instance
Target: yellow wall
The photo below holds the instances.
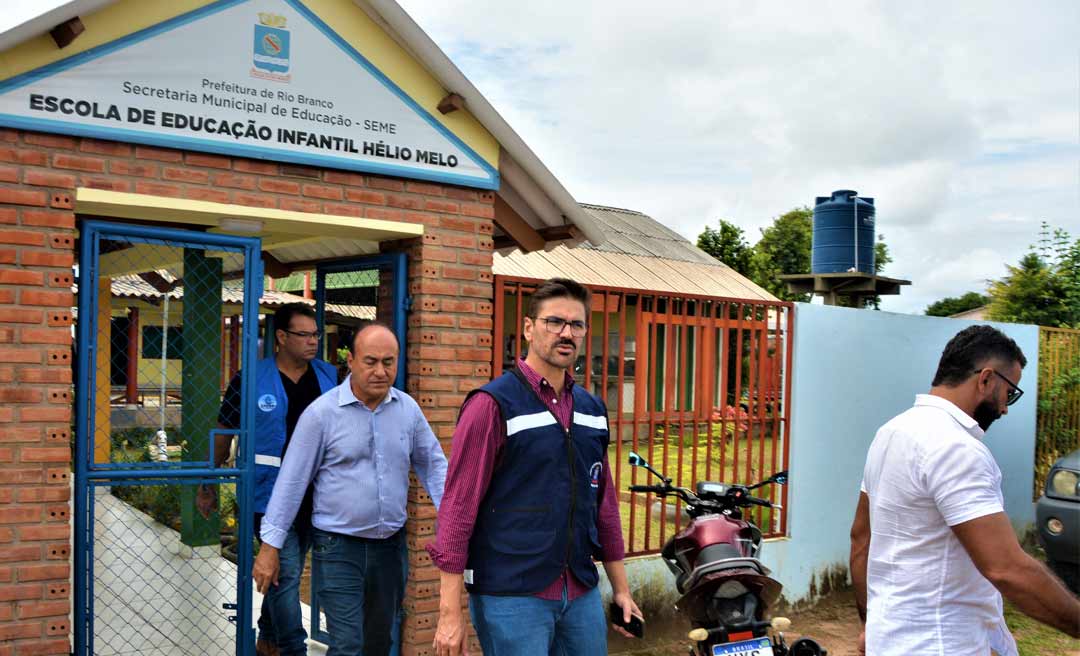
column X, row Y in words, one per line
column 343, row 16
column 102, row 413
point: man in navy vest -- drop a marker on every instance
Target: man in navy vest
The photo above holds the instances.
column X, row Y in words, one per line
column 284, row 387
column 530, row 502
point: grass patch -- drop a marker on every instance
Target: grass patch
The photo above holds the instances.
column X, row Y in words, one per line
column 1036, row 639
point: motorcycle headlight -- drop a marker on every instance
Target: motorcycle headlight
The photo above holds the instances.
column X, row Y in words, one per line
column 1064, row 483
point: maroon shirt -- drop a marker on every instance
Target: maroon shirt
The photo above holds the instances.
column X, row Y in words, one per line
column 477, row 445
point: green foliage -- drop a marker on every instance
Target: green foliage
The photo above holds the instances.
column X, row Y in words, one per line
column 951, row 305
column 162, row 502
column 727, row 244
column 784, row 248
column 1044, row 287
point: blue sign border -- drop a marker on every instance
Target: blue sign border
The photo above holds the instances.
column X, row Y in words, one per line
column 254, row 152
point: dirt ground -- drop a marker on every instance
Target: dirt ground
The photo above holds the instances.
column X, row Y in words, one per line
column 834, row 624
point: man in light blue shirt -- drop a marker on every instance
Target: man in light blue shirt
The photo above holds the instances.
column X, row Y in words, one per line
column 356, row 443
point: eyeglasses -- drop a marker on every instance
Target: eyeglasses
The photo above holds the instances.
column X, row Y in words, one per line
column 1014, row 393
column 302, row 334
column 555, row 326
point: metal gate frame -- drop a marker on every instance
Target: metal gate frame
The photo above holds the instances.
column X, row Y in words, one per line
column 89, row 474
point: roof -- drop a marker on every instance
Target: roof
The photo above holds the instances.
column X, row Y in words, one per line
column 639, row 252
column 232, row 292
column 527, row 184
column 634, row 233
column 974, row 314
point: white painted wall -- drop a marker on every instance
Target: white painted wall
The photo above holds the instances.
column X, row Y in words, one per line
column 853, row 371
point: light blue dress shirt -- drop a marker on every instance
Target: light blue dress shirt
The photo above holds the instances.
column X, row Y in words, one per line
column 359, row 460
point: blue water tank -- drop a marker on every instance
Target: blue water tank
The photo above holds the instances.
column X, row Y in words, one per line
column 840, row 221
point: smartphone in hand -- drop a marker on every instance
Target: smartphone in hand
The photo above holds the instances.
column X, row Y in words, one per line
column 635, row 626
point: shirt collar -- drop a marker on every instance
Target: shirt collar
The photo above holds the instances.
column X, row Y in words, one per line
column 532, row 375
column 961, row 417
column 346, row 396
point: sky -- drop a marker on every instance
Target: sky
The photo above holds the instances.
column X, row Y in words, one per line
column 961, row 119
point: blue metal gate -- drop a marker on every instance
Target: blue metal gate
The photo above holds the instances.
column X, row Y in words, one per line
column 163, row 538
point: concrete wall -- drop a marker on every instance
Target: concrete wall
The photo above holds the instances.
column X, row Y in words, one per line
column 854, row 370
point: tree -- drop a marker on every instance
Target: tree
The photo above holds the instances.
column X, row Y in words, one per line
column 1044, row 287
column 728, row 245
column 784, row 248
column 882, row 258
column 951, row 305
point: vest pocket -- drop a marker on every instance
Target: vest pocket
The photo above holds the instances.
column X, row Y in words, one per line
column 523, row 543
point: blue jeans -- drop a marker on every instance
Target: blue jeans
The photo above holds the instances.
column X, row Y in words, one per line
column 281, row 621
column 361, row 586
column 531, row 626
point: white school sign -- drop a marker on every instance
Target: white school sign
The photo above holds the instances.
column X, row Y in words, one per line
column 254, row 78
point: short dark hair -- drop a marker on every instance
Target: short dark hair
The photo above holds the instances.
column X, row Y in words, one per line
column 559, row 288
column 284, row 314
column 361, row 327
column 970, row 349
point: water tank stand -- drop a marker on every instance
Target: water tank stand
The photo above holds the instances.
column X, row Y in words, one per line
column 853, row 284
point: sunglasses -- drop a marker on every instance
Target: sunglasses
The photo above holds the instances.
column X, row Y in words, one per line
column 1014, row 393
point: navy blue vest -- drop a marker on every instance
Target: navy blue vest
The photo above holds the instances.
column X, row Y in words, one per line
column 540, row 511
column 271, row 408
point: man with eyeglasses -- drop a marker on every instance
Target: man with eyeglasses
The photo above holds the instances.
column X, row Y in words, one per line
column 285, row 386
column 530, row 501
column 932, row 550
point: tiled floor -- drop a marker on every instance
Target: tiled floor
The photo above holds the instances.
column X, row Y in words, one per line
column 153, row 595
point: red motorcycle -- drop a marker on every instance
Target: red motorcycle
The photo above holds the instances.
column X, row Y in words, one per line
column 727, row 593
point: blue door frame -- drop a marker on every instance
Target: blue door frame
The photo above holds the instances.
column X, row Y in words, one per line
column 398, row 266
column 89, row 474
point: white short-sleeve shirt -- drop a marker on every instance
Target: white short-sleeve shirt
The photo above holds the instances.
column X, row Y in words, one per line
column 928, row 470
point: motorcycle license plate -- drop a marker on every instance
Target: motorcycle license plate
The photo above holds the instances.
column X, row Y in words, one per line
column 755, row 647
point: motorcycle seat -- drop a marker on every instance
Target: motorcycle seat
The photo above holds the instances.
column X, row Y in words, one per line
column 724, row 564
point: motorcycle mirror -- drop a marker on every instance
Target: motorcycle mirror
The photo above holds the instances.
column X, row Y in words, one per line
column 636, row 460
column 780, row 477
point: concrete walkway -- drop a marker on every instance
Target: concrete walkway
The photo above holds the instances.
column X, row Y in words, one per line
column 153, row 596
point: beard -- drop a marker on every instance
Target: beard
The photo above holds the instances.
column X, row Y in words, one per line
column 986, row 413
column 556, row 359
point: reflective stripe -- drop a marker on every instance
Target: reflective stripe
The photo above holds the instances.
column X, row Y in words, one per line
column 525, row 422
column 592, row 421
column 270, row 461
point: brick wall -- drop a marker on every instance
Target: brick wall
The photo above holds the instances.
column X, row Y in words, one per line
column 449, row 349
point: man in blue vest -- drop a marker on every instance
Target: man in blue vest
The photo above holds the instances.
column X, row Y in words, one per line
column 284, row 387
column 530, row 502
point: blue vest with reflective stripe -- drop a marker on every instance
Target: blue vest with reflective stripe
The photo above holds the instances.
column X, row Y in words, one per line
column 539, row 514
column 271, row 408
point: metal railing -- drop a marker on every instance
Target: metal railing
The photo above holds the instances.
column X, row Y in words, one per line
column 1058, row 410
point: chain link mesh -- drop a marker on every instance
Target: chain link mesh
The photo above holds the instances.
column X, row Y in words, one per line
column 163, row 572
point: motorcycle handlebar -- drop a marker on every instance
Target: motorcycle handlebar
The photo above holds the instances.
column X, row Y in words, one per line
column 656, row 489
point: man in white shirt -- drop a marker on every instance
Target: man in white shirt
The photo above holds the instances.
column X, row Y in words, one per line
column 932, row 551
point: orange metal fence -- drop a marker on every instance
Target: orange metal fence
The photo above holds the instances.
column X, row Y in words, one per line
column 697, row 385
column 1058, row 422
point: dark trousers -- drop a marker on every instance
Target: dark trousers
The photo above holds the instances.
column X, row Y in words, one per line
column 361, row 586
